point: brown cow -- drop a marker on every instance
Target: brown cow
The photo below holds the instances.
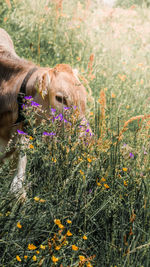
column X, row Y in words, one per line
column 57, row 87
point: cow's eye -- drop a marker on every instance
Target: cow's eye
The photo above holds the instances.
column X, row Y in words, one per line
column 61, row 99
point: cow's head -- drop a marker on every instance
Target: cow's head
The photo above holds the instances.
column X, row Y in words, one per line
column 59, row 87
column 62, row 87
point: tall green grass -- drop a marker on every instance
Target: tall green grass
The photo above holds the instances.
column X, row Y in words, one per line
column 87, row 199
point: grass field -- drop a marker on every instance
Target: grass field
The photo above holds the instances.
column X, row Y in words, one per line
column 88, row 203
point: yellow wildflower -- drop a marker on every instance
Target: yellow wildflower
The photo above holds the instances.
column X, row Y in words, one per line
column 113, row 95
column 89, row 160
column 42, row 247
column 31, row 146
column 30, row 137
column 81, row 172
column 127, row 106
column 91, row 113
column 67, row 149
column 78, row 58
column 125, row 169
column 140, row 64
column 31, row 247
column 103, row 179
column 34, row 258
column 54, row 160
column 68, row 221
column 42, row 200
column 57, row 221
column 81, row 258
column 18, row 258
column 65, row 243
column 36, row 198
column 92, row 77
column 134, row 69
column 58, row 247
column 89, row 264
column 5, row 19
column 125, row 183
column 122, row 77
column 25, row 257
column 106, row 186
column 54, row 259
column 98, row 183
column 74, row 247
column 84, row 237
column 69, row 233
column 60, row 226
column 60, row 232
column 19, row 225
column 37, row 252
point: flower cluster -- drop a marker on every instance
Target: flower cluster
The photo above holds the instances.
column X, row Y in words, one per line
column 101, row 182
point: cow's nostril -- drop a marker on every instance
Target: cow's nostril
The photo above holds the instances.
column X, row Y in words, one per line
column 61, row 99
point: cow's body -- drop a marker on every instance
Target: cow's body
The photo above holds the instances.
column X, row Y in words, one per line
column 59, row 83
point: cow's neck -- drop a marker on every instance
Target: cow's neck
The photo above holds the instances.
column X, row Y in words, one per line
column 12, row 70
column 10, row 83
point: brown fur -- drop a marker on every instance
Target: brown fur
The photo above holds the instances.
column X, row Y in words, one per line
column 13, row 69
column 47, row 86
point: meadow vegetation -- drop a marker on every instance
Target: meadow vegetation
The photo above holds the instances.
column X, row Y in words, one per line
column 88, row 199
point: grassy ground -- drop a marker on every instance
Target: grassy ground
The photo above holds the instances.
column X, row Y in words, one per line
column 88, row 203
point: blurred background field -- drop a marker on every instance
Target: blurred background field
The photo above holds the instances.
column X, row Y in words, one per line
column 88, row 204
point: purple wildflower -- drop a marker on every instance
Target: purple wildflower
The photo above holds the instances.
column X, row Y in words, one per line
column 90, row 191
column 131, row 155
column 67, row 121
column 61, row 117
column 53, row 110
column 66, row 108
column 34, row 104
column 21, row 132
column 88, row 130
column 86, row 144
column 28, row 97
column 124, row 145
column 75, row 107
column 53, row 119
column 23, row 106
column 49, row 134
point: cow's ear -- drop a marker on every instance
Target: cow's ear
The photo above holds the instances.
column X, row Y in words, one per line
column 44, row 84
